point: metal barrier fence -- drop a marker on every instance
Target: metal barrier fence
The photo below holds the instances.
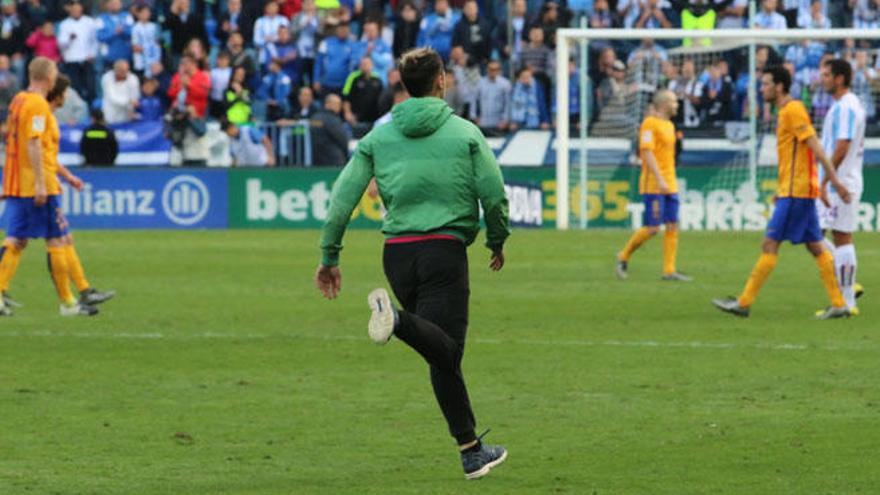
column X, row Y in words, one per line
column 291, row 140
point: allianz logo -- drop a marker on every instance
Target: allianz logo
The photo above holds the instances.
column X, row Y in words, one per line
column 184, row 200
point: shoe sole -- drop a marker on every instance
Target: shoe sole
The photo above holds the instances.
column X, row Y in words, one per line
column 79, row 312
column 729, row 311
column 483, row 471
column 381, row 325
column 836, row 316
column 107, row 296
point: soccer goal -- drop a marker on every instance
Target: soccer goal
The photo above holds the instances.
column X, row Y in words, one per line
column 726, row 132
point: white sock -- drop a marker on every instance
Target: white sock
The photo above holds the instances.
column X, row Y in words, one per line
column 845, row 267
column 829, row 246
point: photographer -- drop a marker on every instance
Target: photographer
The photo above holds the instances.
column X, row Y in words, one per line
column 189, row 105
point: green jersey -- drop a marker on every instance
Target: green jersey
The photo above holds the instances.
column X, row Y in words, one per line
column 434, row 171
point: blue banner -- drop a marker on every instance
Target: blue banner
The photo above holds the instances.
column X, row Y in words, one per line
column 147, row 199
column 140, row 143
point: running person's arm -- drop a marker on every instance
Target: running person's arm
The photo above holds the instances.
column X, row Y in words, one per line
column 74, row 181
column 490, row 190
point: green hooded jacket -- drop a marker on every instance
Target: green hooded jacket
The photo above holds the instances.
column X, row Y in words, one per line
column 433, row 169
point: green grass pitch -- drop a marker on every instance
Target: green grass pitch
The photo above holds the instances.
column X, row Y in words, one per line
column 219, row 370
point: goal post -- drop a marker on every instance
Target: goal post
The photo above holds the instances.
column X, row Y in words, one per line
column 744, row 137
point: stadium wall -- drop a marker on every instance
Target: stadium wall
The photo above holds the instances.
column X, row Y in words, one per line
column 154, row 198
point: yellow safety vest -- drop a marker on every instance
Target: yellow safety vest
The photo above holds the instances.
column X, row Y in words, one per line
column 705, row 22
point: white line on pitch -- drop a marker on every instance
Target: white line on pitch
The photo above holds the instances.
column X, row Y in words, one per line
column 782, row 346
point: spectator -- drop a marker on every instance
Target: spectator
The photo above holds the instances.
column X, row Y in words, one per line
column 266, row 29
column 284, row 50
column 601, row 17
column 305, row 103
column 12, row 37
column 43, row 42
column 527, row 108
column 275, row 90
column 34, row 13
column 238, row 98
column 121, row 93
column 290, row 8
column 614, row 100
column 793, row 10
column 518, row 31
column 467, row 78
column 815, row 18
column 386, row 99
column 373, row 46
column 334, row 61
column 689, row 91
column 733, row 16
column 145, row 36
column 536, row 55
column 863, row 76
column 98, row 145
column 184, row 25
column 189, row 92
column 768, row 18
column 114, row 31
column 474, row 34
column 400, row 96
column 239, row 57
column 234, row 21
column 805, row 54
column 78, row 38
column 697, row 15
column 491, row 108
column 196, row 49
column 628, row 11
column 329, row 138
column 304, row 28
column 866, row 13
column 406, row 29
column 454, row 97
column 158, row 72
column 220, row 78
column 74, row 110
column 574, row 97
column 9, row 86
column 150, row 106
column 436, row 28
column 249, row 146
column 718, row 93
column 361, row 97
column 550, row 20
column 652, row 16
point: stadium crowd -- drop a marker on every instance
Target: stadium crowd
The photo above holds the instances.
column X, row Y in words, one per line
column 333, row 61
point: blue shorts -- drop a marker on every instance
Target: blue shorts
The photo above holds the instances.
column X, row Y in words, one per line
column 26, row 221
column 660, row 209
column 795, row 220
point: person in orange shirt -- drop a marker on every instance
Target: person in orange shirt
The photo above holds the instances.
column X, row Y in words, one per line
column 658, row 186
column 795, row 218
column 31, row 187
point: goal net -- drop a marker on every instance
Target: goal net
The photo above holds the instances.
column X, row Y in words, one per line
column 727, row 143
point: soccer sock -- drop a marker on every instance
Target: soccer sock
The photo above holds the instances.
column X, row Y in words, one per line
column 825, row 261
column 10, row 255
column 638, row 238
column 59, row 269
column 845, row 267
column 670, row 251
column 829, row 245
column 77, row 274
column 765, row 265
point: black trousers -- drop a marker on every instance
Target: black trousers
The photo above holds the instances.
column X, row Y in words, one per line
column 82, row 79
column 430, row 280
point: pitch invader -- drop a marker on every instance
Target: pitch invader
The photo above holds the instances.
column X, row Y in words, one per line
column 843, row 139
column 795, row 218
column 658, row 186
column 31, row 187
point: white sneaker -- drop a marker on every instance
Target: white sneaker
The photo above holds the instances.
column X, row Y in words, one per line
column 382, row 321
column 77, row 309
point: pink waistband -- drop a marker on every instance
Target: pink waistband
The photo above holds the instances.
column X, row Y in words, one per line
column 421, row 238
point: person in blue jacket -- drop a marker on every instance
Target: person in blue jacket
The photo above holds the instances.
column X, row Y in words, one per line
column 377, row 49
column 275, row 90
column 115, row 32
column 334, row 61
column 436, row 29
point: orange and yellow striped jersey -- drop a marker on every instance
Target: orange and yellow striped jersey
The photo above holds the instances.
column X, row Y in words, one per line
column 657, row 136
column 29, row 118
column 798, row 175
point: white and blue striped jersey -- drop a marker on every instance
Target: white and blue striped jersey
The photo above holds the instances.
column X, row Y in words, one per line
column 846, row 120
